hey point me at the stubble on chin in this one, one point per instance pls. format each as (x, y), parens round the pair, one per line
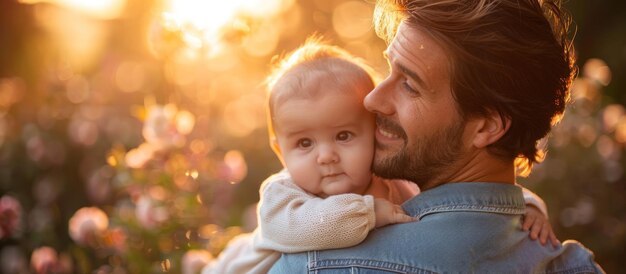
(422, 163)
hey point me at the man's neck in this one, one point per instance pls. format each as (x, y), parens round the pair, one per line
(480, 167)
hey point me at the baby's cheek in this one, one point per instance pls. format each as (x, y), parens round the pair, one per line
(302, 171)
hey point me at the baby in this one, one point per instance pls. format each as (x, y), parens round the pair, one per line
(324, 137)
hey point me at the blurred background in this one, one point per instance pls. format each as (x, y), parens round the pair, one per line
(133, 139)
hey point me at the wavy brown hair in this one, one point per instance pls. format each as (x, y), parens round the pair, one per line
(514, 57)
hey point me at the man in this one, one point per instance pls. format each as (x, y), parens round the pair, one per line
(473, 85)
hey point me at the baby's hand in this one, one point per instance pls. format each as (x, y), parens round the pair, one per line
(389, 213)
(539, 227)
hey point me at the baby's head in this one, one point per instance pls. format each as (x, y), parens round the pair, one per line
(318, 126)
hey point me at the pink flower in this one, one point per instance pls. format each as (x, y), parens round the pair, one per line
(44, 259)
(149, 214)
(166, 126)
(194, 260)
(86, 223)
(10, 216)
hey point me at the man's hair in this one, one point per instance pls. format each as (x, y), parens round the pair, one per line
(513, 57)
(294, 75)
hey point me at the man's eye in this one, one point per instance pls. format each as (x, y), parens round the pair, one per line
(344, 136)
(305, 143)
(408, 87)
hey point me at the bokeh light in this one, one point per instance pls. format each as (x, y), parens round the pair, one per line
(87, 223)
(353, 19)
(133, 133)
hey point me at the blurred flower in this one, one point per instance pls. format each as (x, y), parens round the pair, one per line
(116, 238)
(166, 126)
(12, 260)
(194, 260)
(10, 216)
(149, 214)
(138, 157)
(86, 223)
(44, 260)
(234, 169)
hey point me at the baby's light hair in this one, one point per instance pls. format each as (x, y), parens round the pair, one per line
(292, 73)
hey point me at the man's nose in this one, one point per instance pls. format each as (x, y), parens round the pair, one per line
(327, 155)
(379, 100)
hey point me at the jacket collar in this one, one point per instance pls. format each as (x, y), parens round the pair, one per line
(479, 197)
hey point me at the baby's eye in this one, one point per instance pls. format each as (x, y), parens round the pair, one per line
(344, 136)
(305, 143)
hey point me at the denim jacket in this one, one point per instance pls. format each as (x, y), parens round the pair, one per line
(462, 228)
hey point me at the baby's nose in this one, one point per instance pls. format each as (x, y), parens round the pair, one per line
(327, 155)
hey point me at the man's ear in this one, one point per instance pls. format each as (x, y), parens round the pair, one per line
(490, 128)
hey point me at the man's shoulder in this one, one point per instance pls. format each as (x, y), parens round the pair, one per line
(443, 244)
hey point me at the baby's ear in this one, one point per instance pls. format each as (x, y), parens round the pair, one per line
(490, 128)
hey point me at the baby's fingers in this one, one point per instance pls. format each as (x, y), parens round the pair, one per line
(402, 218)
(529, 220)
(545, 232)
(536, 229)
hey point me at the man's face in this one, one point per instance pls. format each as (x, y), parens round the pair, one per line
(327, 142)
(419, 131)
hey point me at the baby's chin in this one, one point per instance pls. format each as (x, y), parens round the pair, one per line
(340, 187)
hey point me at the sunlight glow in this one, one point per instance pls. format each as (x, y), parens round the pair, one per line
(101, 9)
(204, 25)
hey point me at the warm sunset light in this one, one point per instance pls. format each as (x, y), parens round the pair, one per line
(134, 133)
(101, 9)
(205, 24)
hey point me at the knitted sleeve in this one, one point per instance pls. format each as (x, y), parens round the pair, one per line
(292, 220)
(533, 199)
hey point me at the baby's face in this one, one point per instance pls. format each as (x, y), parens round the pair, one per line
(327, 143)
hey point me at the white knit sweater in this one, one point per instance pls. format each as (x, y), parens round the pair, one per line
(292, 220)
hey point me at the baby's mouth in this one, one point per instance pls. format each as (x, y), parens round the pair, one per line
(331, 175)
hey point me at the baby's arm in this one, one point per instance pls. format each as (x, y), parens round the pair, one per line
(292, 220)
(536, 219)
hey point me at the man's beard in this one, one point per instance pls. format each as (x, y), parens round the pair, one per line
(424, 161)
